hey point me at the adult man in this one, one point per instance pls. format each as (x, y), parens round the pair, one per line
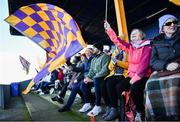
(98, 71)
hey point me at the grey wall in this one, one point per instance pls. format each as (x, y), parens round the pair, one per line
(4, 95)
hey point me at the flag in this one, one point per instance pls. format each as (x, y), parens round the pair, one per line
(53, 29)
(25, 64)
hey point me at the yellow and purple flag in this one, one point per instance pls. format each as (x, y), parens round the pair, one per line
(53, 29)
(25, 64)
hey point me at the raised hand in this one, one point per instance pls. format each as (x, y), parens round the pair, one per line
(106, 25)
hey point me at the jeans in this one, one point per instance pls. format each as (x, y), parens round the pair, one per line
(75, 90)
(86, 90)
(98, 84)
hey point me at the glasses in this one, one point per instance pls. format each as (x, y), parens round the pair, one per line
(169, 23)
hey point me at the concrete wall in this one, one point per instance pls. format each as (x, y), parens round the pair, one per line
(5, 92)
(4, 95)
(23, 85)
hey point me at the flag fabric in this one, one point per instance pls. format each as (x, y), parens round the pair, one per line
(53, 29)
(25, 64)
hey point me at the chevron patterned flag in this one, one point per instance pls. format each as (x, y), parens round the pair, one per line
(53, 29)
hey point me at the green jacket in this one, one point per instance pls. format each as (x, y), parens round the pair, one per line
(99, 66)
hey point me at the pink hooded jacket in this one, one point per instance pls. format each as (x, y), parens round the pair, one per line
(138, 57)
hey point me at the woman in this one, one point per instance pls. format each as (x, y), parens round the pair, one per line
(162, 100)
(139, 51)
(118, 71)
(166, 45)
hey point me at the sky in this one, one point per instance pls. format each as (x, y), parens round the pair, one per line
(11, 47)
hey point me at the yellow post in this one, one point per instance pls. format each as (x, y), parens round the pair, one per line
(177, 2)
(121, 19)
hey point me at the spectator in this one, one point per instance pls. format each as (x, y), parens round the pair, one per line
(61, 75)
(162, 100)
(97, 73)
(166, 45)
(69, 79)
(118, 71)
(50, 85)
(42, 86)
(139, 51)
(83, 68)
(86, 87)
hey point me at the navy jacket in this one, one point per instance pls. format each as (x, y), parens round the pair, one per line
(164, 51)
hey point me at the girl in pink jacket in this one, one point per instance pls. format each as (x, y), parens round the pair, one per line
(139, 51)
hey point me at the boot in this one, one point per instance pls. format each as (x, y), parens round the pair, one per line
(112, 115)
(64, 109)
(58, 99)
(107, 111)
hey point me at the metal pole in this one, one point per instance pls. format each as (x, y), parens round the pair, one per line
(106, 10)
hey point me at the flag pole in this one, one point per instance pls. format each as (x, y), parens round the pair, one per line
(106, 9)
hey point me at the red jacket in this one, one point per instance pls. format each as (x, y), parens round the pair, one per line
(61, 75)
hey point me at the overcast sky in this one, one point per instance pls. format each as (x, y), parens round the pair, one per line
(10, 49)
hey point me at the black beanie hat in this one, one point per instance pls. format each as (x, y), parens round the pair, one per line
(99, 45)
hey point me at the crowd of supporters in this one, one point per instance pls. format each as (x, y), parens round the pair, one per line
(140, 67)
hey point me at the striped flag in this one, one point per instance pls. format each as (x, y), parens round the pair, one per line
(51, 28)
(25, 64)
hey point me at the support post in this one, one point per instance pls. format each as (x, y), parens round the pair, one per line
(121, 19)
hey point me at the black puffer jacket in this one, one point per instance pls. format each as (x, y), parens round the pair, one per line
(164, 51)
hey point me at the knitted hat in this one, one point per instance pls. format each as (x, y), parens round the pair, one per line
(99, 45)
(163, 19)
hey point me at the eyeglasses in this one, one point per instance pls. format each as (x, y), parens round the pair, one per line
(169, 23)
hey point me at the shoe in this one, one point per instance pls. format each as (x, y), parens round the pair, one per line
(85, 107)
(46, 92)
(107, 111)
(58, 99)
(139, 117)
(33, 89)
(51, 91)
(64, 109)
(54, 98)
(38, 91)
(112, 115)
(41, 93)
(95, 111)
